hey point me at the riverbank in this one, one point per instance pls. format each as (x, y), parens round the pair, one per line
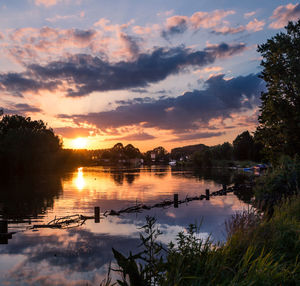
(262, 246)
(258, 251)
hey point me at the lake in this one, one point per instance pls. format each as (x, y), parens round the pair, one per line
(81, 255)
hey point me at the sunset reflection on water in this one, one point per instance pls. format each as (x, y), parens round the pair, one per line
(84, 252)
(79, 180)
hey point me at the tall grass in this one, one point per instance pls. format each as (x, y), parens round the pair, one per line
(280, 182)
(259, 251)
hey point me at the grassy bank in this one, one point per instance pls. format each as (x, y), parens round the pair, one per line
(259, 251)
(262, 247)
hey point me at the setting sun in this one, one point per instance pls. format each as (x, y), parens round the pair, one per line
(79, 143)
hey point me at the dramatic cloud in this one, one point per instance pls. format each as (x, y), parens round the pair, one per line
(140, 30)
(17, 83)
(255, 25)
(249, 14)
(42, 45)
(219, 99)
(252, 26)
(179, 24)
(195, 136)
(209, 69)
(130, 45)
(74, 251)
(85, 74)
(283, 14)
(228, 30)
(73, 132)
(139, 90)
(27, 45)
(66, 17)
(208, 20)
(142, 136)
(47, 3)
(175, 25)
(21, 108)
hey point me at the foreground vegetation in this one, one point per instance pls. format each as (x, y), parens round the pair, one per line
(262, 248)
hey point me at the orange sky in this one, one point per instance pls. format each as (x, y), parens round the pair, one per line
(149, 74)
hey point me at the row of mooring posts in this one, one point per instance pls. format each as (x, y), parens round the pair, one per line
(175, 201)
(5, 235)
(207, 195)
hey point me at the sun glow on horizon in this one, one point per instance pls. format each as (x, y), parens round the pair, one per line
(79, 143)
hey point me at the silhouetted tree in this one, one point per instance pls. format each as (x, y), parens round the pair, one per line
(243, 146)
(27, 144)
(131, 152)
(161, 155)
(222, 152)
(203, 159)
(279, 122)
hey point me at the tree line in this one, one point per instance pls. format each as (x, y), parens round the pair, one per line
(30, 145)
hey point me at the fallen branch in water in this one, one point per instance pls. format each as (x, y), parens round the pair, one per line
(64, 222)
(78, 220)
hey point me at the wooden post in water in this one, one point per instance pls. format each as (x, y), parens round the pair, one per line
(175, 200)
(207, 194)
(225, 189)
(97, 214)
(3, 226)
(4, 232)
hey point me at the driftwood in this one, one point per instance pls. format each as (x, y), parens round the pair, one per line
(64, 222)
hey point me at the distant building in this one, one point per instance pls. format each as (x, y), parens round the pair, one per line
(153, 156)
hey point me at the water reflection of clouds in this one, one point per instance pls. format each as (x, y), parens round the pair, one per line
(85, 253)
(79, 255)
(211, 213)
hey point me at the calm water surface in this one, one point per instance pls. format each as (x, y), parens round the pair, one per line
(80, 256)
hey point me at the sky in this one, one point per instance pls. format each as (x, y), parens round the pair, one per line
(150, 73)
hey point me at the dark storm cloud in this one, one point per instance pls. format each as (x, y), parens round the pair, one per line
(134, 137)
(82, 35)
(131, 44)
(88, 74)
(17, 83)
(194, 136)
(21, 108)
(135, 100)
(139, 90)
(219, 99)
(178, 26)
(81, 254)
